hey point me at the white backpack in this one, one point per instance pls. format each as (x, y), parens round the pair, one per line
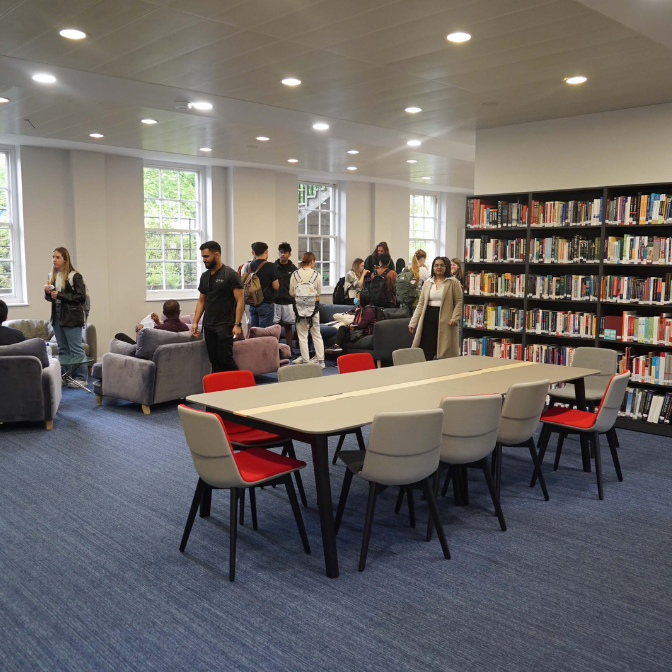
(305, 296)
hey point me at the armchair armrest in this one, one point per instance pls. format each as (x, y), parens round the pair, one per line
(180, 368)
(21, 392)
(128, 378)
(91, 337)
(51, 387)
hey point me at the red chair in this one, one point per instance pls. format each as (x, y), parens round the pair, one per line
(357, 361)
(219, 467)
(244, 438)
(571, 421)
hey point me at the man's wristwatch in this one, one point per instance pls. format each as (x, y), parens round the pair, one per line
(238, 324)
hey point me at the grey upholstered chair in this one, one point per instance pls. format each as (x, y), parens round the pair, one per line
(408, 356)
(519, 419)
(299, 372)
(218, 467)
(590, 358)
(403, 450)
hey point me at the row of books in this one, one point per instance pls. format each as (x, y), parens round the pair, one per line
(654, 368)
(495, 249)
(549, 354)
(561, 323)
(632, 328)
(573, 287)
(503, 215)
(647, 406)
(492, 316)
(567, 213)
(639, 210)
(558, 250)
(495, 284)
(631, 289)
(646, 250)
(504, 348)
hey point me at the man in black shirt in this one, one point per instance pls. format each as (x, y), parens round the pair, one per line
(262, 315)
(284, 303)
(8, 336)
(221, 297)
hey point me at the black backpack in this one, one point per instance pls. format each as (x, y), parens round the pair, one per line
(379, 292)
(338, 296)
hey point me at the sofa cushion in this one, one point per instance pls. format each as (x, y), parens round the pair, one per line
(32, 328)
(327, 311)
(33, 347)
(150, 339)
(97, 371)
(396, 313)
(122, 348)
(284, 350)
(258, 332)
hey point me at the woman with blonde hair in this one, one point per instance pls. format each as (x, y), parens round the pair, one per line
(354, 280)
(419, 268)
(67, 294)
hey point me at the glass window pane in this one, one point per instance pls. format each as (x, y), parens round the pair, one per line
(303, 247)
(151, 181)
(188, 186)
(170, 184)
(326, 223)
(3, 170)
(429, 206)
(188, 216)
(314, 247)
(154, 276)
(173, 276)
(190, 246)
(153, 246)
(313, 221)
(302, 220)
(4, 210)
(326, 199)
(152, 208)
(171, 214)
(152, 223)
(6, 278)
(4, 243)
(190, 275)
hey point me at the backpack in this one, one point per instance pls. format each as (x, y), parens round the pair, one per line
(305, 296)
(406, 289)
(339, 292)
(252, 291)
(87, 300)
(378, 289)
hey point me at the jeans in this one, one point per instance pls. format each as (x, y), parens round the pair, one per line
(262, 315)
(70, 348)
(219, 342)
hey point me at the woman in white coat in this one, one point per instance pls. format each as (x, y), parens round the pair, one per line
(438, 313)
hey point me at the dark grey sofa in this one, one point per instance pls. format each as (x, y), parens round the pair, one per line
(388, 335)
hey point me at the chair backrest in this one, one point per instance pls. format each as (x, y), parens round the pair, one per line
(470, 425)
(228, 380)
(210, 448)
(403, 447)
(596, 358)
(611, 402)
(299, 372)
(521, 411)
(360, 361)
(408, 356)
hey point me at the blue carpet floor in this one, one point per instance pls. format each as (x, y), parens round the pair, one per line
(91, 577)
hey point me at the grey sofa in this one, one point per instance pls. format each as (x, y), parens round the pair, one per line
(388, 335)
(30, 383)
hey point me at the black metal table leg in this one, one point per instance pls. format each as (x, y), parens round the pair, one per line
(320, 450)
(580, 392)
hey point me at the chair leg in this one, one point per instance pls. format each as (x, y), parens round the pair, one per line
(612, 439)
(613, 430)
(347, 480)
(360, 438)
(493, 492)
(297, 474)
(297, 513)
(195, 502)
(595, 440)
(233, 532)
(434, 513)
(447, 481)
(241, 514)
(339, 445)
(537, 467)
(545, 436)
(253, 507)
(498, 471)
(368, 522)
(206, 500)
(542, 452)
(437, 480)
(411, 506)
(558, 450)
(400, 499)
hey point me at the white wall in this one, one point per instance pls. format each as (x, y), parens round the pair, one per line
(609, 148)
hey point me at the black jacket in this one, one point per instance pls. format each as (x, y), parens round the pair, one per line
(72, 303)
(282, 296)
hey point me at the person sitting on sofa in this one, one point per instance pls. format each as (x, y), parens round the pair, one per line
(171, 311)
(8, 336)
(362, 325)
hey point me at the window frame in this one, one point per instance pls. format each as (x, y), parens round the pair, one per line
(202, 232)
(415, 243)
(15, 226)
(335, 236)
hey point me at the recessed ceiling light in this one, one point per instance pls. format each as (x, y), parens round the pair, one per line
(72, 34)
(202, 105)
(579, 79)
(4, 100)
(413, 110)
(458, 37)
(321, 126)
(96, 135)
(205, 149)
(414, 143)
(426, 178)
(262, 138)
(352, 167)
(292, 160)
(291, 81)
(353, 151)
(411, 161)
(149, 122)
(43, 78)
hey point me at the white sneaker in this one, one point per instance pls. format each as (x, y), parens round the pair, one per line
(299, 360)
(315, 360)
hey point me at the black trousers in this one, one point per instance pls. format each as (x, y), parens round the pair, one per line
(430, 332)
(219, 341)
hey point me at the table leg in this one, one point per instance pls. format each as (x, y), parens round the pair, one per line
(320, 449)
(580, 392)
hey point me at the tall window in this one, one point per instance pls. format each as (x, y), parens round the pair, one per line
(10, 255)
(423, 229)
(173, 229)
(317, 227)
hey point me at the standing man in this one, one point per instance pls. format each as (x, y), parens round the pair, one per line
(284, 303)
(221, 297)
(262, 315)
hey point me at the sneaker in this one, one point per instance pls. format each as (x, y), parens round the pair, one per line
(314, 360)
(333, 350)
(299, 360)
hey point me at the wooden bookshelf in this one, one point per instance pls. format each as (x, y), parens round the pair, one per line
(584, 207)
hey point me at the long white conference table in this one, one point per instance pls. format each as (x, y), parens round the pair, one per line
(311, 410)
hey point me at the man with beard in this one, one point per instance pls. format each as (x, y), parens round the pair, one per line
(221, 297)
